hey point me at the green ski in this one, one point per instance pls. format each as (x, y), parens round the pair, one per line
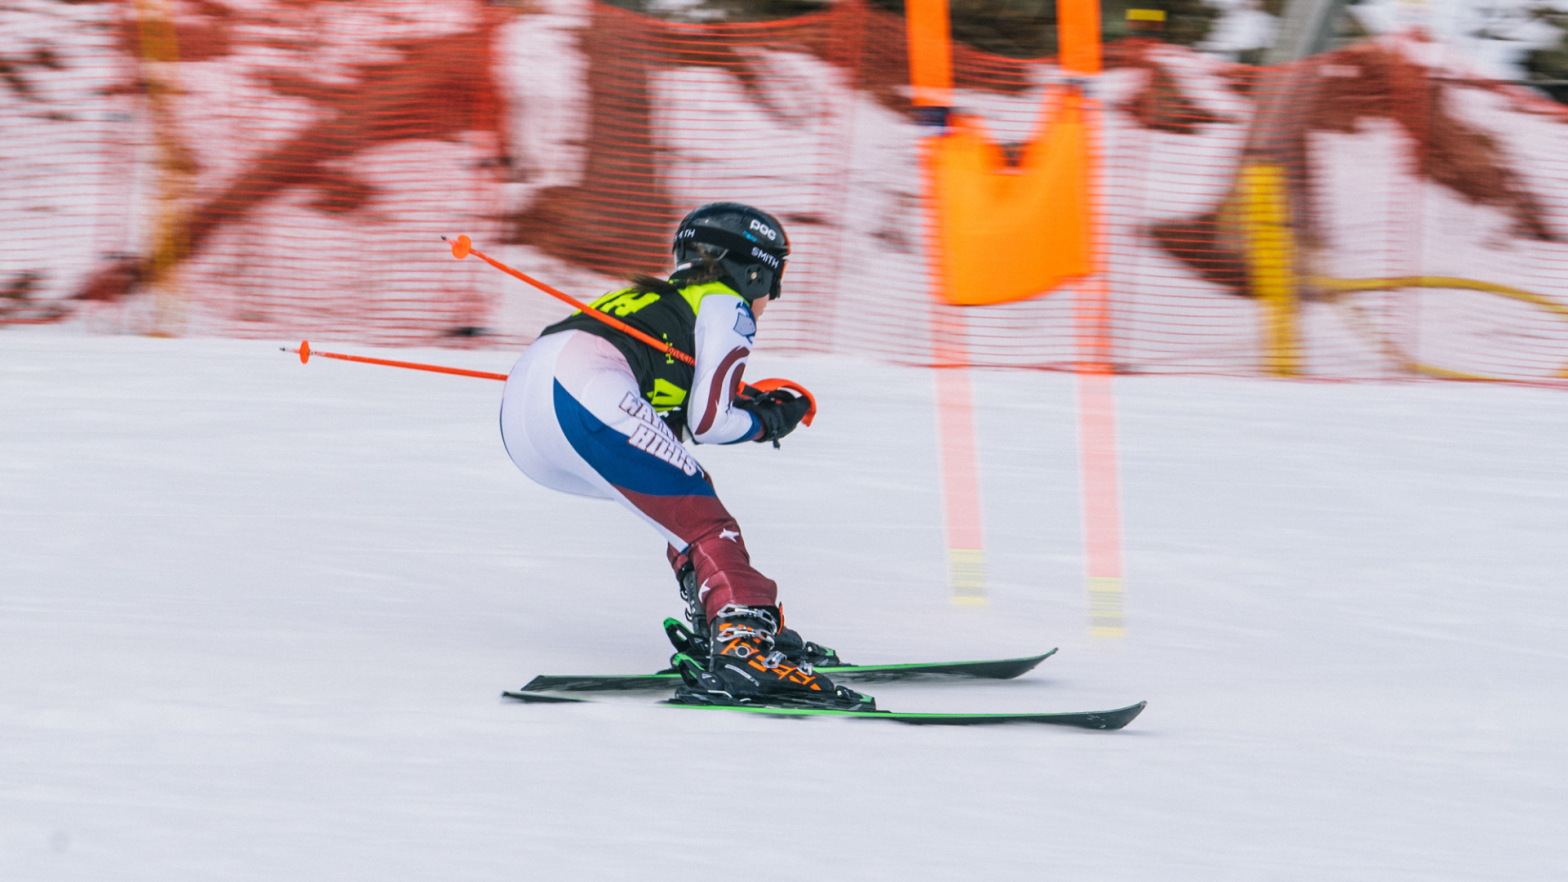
(999, 669)
(1108, 719)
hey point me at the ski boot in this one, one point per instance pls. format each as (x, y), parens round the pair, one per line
(800, 650)
(689, 640)
(692, 639)
(745, 668)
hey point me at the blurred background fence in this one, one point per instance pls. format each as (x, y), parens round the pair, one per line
(282, 169)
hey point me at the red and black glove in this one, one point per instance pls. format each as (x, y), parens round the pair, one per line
(779, 411)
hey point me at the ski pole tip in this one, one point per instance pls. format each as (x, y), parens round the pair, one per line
(304, 351)
(462, 247)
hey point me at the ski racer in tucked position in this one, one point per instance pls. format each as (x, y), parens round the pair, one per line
(591, 410)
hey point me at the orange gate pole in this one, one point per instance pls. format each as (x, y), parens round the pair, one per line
(1079, 31)
(931, 81)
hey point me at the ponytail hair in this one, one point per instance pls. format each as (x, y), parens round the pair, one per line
(700, 273)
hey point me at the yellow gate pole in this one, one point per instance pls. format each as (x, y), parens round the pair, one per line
(159, 59)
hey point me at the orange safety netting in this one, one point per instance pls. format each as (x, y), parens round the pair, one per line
(282, 169)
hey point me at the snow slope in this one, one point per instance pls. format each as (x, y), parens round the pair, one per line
(255, 618)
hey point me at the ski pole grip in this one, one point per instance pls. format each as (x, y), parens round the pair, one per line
(772, 384)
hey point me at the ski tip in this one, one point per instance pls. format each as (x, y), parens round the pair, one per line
(1004, 670)
(1034, 661)
(542, 698)
(1118, 719)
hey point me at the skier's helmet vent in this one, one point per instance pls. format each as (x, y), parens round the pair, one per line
(749, 244)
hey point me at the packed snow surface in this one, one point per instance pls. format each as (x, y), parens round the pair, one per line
(256, 617)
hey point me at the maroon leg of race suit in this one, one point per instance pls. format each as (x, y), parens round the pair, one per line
(724, 571)
(715, 547)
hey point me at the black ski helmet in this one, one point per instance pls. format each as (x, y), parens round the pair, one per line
(749, 244)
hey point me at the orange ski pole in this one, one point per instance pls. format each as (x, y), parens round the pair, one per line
(464, 246)
(305, 352)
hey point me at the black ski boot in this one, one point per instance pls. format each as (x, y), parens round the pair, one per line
(692, 639)
(688, 639)
(800, 650)
(745, 668)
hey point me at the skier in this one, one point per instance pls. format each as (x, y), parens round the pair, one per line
(590, 410)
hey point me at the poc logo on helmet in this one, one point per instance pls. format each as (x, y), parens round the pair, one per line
(764, 229)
